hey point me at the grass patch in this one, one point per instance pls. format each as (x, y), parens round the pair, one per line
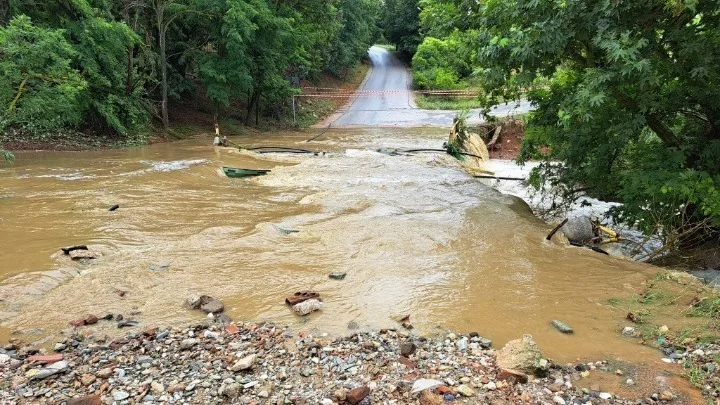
(429, 102)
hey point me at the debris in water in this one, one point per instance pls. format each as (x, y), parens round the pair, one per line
(127, 324)
(307, 307)
(632, 317)
(159, 267)
(301, 296)
(67, 250)
(114, 208)
(84, 255)
(338, 276)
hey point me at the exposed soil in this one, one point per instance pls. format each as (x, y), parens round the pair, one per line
(508, 145)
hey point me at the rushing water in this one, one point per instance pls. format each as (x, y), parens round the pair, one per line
(415, 234)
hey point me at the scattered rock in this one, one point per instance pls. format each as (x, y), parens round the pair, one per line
(45, 359)
(407, 349)
(425, 384)
(120, 395)
(355, 395)
(522, 355)
(87, 379)
(666, 396)
(605, 395)
(562, 326)
(188, 343)
(430, 398)
(512, 376)
(87, 400)
(465, 391)
(45, 372)
(245, 363)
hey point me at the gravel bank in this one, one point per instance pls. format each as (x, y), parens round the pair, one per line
(267, 364)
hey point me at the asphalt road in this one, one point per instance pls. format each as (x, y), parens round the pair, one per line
(393, 104)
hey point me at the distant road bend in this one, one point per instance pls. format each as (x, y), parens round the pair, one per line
(393, 105)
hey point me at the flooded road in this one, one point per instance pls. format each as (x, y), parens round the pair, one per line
(415, 234)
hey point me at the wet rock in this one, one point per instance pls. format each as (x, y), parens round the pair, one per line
(338, 276)
(245, 363)
(522, 355)
(307, 307)
(355, 395)
(562, 326)
(87, 400)
(578, 229)
(205, 303)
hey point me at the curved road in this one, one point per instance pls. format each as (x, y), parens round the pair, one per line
(393, 105)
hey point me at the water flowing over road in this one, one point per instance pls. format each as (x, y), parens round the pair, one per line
(387, 100)
(415, 234)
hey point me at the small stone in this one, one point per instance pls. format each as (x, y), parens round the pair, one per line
(210, 335)
(629, 381)
(104, 373)
(231, 390)
(263, 394)
(605, 395)
(430, 398)
(666, 396)
(157, 387)
(338, 276)
(355, 395)
(87, 379)
(340, 394)
(120, 395)
(325, 401)
(60, 347)
(628, 331)
(663, 329)
(88, 400)
(465, 391)
(558, 400)
(491, 386)
(188, 343)
(407, 349)
(244, 364)
(698, 353)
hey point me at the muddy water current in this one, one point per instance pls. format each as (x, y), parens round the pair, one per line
(415, 234)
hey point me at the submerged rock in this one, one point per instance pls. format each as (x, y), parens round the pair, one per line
(562, 326)
(307, 307)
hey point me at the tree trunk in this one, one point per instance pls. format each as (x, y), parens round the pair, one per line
(5, 16)
(160, 13)
(131, 52)
(252, 107)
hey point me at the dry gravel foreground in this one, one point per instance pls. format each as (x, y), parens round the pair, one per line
(267, 364)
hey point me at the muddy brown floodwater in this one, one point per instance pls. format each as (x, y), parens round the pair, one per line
(415, 234)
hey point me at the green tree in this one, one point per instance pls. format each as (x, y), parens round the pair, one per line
(402, 25)
(39, 88)
(630, 106)
(441, 64)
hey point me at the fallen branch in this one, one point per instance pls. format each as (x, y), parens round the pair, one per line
(439, 150)
(557, 228)
(478, 176)
(495, 137)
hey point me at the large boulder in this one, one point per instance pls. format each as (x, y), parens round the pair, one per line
(206, 304)
(578, 229)
(522, 355)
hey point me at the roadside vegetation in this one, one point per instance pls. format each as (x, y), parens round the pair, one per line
(625, 95)
(119, 70)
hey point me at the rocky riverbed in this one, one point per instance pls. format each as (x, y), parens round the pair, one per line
(269, 364)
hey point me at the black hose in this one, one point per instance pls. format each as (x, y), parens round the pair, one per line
(279, 147)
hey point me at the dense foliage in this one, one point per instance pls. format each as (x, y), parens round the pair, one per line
(112, 66)
(402, 25)
(626, 93)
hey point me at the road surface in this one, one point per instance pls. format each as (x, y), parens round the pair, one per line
(393, 105)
